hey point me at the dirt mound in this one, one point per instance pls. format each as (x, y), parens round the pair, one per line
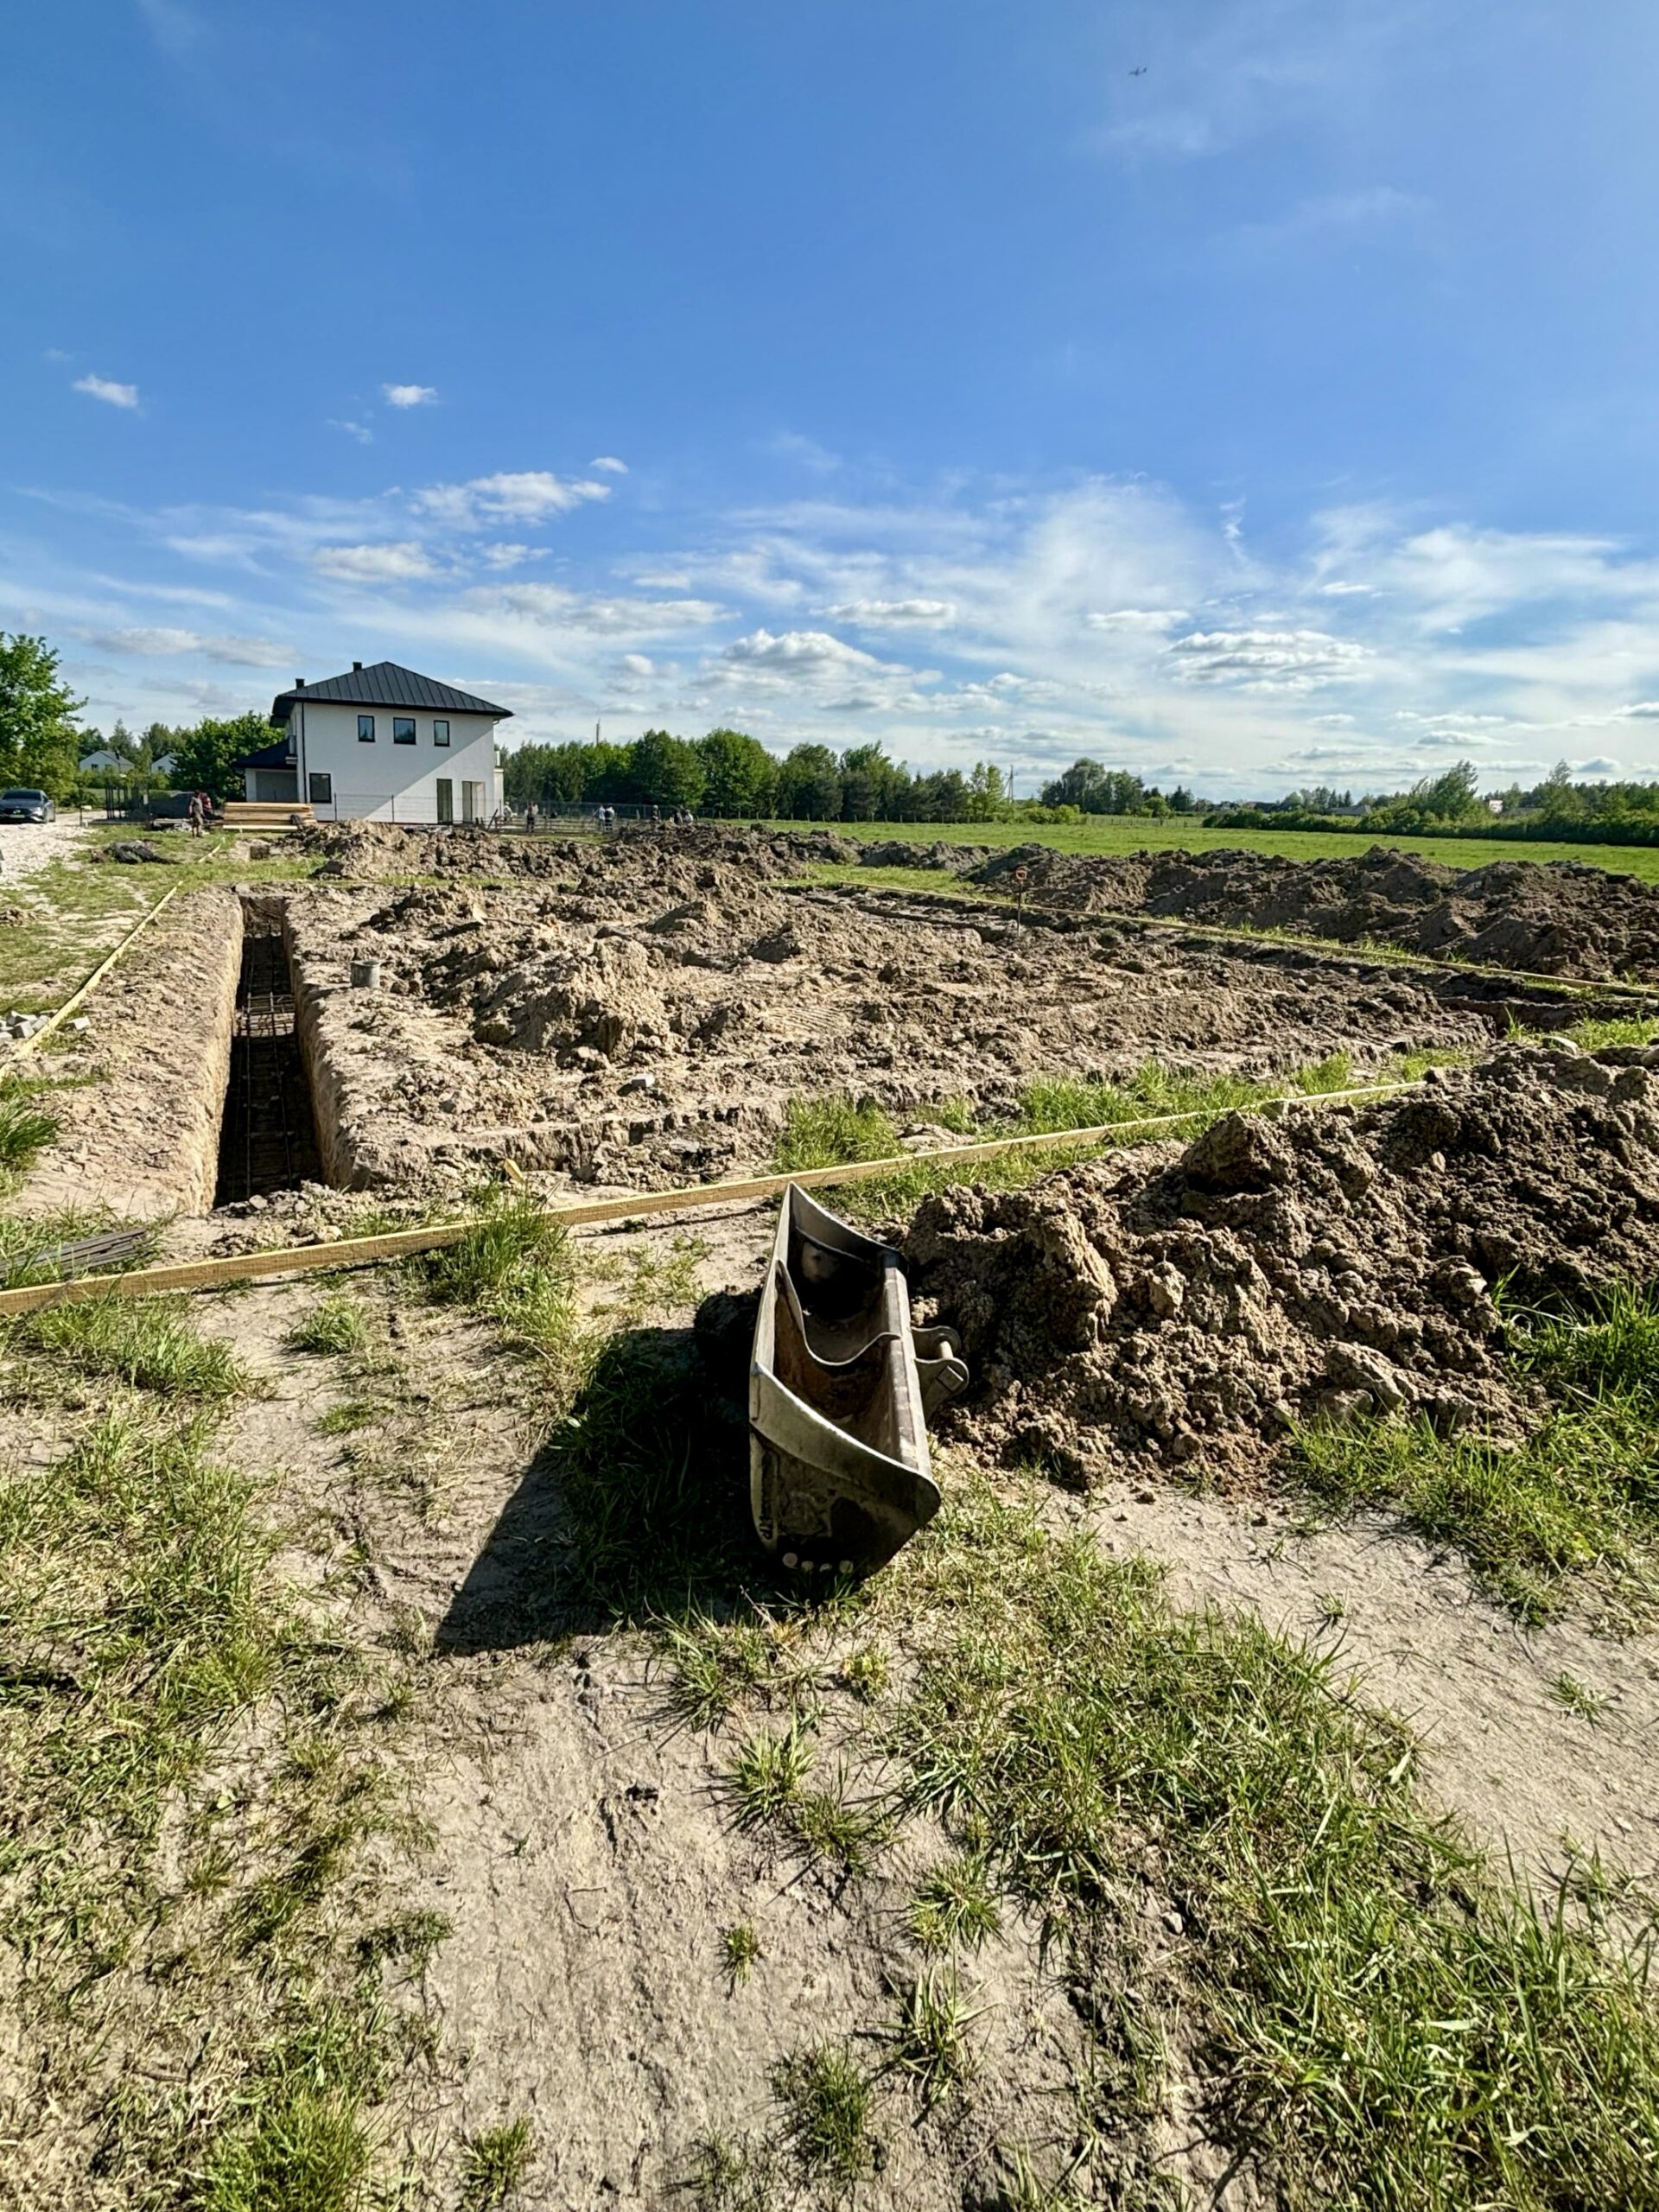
(1179, 1306)
(135, 851)
(1562, 918)
(372, 849)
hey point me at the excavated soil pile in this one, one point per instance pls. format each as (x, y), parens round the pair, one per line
(370, 849)
(1562, 918)
(1193, 1304)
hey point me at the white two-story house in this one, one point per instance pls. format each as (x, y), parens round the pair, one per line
(381, 743)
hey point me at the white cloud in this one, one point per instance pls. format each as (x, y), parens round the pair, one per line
(608, 463)
(636, 664)
(797, 651)
(162, 644)
(895, 613)
(1295, 660)
(104, 388)
(507, 556)
(525, 495)
(408, 395)
(1644, 710)
(373, 564)
(1151, 619)
(360, 431)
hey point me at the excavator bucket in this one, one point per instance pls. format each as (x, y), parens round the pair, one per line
(840, 1387)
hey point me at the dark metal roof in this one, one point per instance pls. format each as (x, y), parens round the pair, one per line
(382, 683)
(279, 755)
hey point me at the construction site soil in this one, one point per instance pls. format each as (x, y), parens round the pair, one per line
(1176, 1304)
(640, 1012)
(1149, 1327)
(1564, 918)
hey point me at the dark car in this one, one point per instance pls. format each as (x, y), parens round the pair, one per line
(26, 806)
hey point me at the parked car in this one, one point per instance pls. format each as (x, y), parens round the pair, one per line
(26, 806)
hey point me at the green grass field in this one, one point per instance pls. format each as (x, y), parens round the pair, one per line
(1134, 834)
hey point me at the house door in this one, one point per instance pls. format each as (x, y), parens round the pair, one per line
(472, 802)
(446, 800)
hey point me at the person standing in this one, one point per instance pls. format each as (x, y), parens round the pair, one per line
(193, 814)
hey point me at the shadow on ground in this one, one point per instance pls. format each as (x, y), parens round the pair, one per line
(636, 1508)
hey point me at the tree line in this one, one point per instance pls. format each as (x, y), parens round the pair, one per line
(730, 775)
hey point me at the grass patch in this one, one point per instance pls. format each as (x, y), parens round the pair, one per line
(928, 2037)
(826, 2097)
(148, 1344)
(766, 1789)
(829, 1132)
(133, 1630)
(714, 1665)
(26, 1128)
(1052, 1104)
(513, 1266)
(1139, 834)
(1575, 1510)
(1576, 1507)
(1595, 1036)
(295, 2136)
(957, 1904)
(335, 1323)
(494, 2163)
(1378, 2015)
(739, 1947)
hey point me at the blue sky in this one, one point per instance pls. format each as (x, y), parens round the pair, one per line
(1286, 412)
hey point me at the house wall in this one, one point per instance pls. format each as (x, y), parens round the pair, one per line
(386, 782)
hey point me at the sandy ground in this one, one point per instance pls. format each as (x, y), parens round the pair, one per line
(27, 847)
(583, 1848)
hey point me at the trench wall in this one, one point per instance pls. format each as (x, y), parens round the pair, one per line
(142, 1139)
(338, 1069)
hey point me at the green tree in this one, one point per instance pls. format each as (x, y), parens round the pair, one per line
(40, 745)
(809, 785)
(867, 781)
(665, 770)
(988, 795)
(206, 756)
(739, 775)
(1083, 784)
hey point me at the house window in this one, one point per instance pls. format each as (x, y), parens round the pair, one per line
(321, 789)
(439, 732)
(403, 730)
(446, 800)
(366, 729)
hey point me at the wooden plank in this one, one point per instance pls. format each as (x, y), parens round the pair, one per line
(642, 1205)
(56, 1021)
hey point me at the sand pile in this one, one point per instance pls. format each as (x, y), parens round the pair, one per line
(1563, 918)
(1192, 1304)
(370, 849)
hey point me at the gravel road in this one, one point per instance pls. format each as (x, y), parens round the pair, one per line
(28, 847)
